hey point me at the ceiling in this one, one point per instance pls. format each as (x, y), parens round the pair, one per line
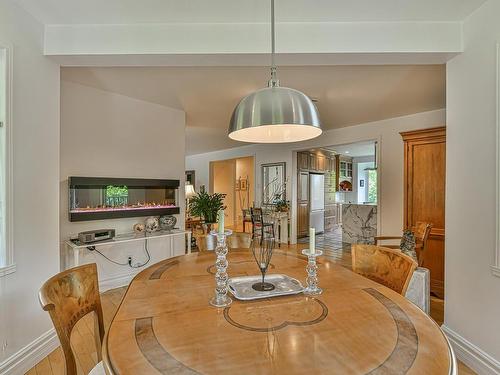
(354, 149)
(347, 95)
(236, 11)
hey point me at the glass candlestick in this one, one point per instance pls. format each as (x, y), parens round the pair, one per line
(221, 299)
(312, 287)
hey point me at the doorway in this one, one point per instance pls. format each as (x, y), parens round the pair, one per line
(235, 178)
(348, 175)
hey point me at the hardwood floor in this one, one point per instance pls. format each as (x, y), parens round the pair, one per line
(82, 339)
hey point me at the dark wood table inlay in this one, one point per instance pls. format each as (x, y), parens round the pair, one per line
(405, 351)
(158, 272)
(274, 317)
(165, 325)
(156, 355)
(242, 265)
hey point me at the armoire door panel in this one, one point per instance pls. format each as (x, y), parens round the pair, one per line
(424, 195)
(427, 183)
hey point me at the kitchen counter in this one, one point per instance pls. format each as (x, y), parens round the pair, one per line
(358, 203)
(359, 223)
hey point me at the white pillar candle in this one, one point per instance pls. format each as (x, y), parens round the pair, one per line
(221, 221)
(312, 240)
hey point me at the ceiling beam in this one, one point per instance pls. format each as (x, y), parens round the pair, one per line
(249, 44)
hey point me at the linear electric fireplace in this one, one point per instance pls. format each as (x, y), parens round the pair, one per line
(97, 198)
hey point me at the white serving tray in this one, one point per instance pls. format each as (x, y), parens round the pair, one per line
(241, 287)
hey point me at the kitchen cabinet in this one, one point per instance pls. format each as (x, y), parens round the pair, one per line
(303, 204)
(320, 163)
(329, 197)
(303, 160)
(313, 162)
(333, 216)
(302, 220)
(317, 162)
(345, 168)
(330, 164)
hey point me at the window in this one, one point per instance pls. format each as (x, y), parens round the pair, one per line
(6, 255)
(372, 186)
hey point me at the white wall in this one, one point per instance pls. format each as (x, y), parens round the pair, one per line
(35, 125)
(391, 156)
(472, 300)
(109, 135)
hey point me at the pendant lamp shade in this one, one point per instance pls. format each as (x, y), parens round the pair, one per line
(275, 115)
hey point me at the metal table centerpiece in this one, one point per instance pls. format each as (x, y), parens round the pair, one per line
(263, 286)
(262, 250)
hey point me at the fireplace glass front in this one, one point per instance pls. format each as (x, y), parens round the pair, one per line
(96, 198)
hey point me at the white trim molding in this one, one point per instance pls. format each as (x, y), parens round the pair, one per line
(9, 266)
(22, 361)
(471, 355)
(495, 268)
(7, 270)
(115, 282)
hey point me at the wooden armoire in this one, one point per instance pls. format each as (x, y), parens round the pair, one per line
(424, 194)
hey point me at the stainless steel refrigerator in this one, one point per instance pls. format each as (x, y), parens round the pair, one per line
(317, 202)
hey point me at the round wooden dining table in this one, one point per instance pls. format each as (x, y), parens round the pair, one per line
(165, 325)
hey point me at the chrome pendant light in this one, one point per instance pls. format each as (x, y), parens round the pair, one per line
(275, 114)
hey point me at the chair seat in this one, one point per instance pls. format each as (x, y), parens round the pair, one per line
(98, 370)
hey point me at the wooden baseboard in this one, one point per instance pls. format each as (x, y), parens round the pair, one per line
(471, 355)
(26, 358)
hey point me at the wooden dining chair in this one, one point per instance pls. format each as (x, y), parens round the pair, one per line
(259, 226)
(68, 297)
(421, 230)
(247, 218)
(239, 240)
(388, 267)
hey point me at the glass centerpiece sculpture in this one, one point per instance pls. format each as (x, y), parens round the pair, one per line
(262, 249)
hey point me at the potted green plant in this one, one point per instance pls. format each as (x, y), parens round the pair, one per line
(206, 206)
(282, 205)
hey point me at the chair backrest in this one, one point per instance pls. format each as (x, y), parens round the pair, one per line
(256, 214)
(239, 240)
(422, 231)
(386, 266)
(247, 216)
(68, 297)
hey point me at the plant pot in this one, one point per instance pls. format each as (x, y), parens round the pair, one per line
(206, 242)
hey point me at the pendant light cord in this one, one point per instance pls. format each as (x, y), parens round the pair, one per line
(274, 80)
